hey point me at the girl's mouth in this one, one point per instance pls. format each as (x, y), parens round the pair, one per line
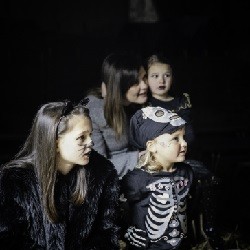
(183, 152)
(84, 153)
(162, 87)
(142, 94)
(88, 153)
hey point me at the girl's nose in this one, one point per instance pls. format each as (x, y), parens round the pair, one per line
(90, 142)
(162, 79)
(184, 143)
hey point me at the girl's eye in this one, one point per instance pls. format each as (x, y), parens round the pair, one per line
(167, 75)
(154, 76)
(176, 138)
(82, 138)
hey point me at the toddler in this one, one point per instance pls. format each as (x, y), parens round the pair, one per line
(157, 188)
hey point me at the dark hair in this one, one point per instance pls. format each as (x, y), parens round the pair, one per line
(119, 72)
(39, 151)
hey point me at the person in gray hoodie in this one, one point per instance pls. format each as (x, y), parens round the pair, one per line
(122, 92)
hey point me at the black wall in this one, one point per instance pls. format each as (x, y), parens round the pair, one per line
(52, 50)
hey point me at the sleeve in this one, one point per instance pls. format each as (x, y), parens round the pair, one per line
(106, 233)
(125, 161)
(13, 221)
(98, 139)
(132, 186)
(95, 106)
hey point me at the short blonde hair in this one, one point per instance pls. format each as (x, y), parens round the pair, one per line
(147, 161)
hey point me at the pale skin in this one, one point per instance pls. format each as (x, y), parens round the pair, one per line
(137, 93)
(74, 146)
(160, 80)
(168, 149)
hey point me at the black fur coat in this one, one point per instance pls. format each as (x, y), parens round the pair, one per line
(89, 226)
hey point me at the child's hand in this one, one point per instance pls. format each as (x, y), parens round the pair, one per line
(136, 237)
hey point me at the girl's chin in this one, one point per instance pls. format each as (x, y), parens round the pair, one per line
(141, 100)
(181, 158)
(85, 160)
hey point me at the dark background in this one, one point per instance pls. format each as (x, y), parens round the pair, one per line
(52, 50)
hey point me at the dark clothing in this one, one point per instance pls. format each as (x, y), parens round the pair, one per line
(182, 106)
(204, 191)
(158, 207)
(24, 225)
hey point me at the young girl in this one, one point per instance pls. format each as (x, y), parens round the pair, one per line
(157, 189)
(58, 193)
(159, 79)
(123, 92)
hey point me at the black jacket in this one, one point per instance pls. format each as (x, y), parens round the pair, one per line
(91, 225)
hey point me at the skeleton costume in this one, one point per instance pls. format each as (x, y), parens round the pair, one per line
(158, 207)
(157, 199)
(205, 183)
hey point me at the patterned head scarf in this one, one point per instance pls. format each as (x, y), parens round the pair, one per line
(150, 122)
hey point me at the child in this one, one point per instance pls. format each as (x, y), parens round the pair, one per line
(58, 193)
(159, 78)
(157, 189)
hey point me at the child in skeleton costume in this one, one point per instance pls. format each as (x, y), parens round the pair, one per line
(157, 189)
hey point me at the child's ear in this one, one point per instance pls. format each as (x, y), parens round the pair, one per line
(104, 90)
(151, 147)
